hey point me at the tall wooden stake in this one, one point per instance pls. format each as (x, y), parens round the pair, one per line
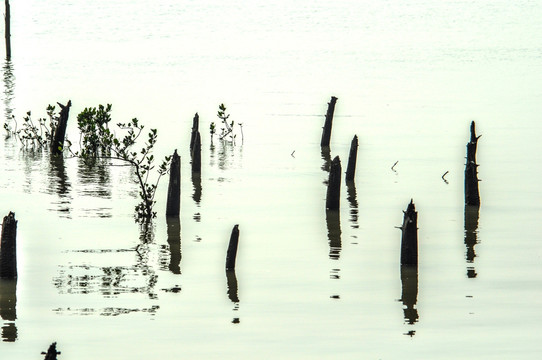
(409, 238)
(8, 248)
(232, 248)
(351, 168)
(174, 189)
(196, 154)
(326, 134)
(7, 17)
(472, 194)
(195, 129)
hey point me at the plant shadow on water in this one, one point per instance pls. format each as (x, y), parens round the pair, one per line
(8, 311)
(59, 184)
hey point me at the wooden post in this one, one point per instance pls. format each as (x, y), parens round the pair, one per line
(334, 185)
(8, 248)
(195, 129)
(326, 134)
(409, 238)
(196, 154)
(174, 242)
(59, 133)
(7, 31)
(174, 189)
(51, 352)
(232, 248)
(472, 194)
(351, 168)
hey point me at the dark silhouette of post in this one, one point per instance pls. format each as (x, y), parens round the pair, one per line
(351, 168)
(196, 154)
(51, 352)
(352, 199)
(8, 248)
(334, 185)
(409, 293)
(232, 248)
(333, 223)
(174, 242)
(59, 133)
(8, 309)
(233, 293)
(195, 129)
(7, 31)
(409, 238)
(472, 214)
(472, 194)
(173, 205)
(326, 134)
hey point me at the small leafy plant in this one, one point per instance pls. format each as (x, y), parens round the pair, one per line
(227, 127)
(34, 136)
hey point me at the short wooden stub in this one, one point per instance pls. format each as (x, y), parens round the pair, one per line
(472, 194)
(59, 133)
(334, 185)
(173, 205)
(326, 134)
(351, 168)
(232, 248)
(409, 238)
(196, 154)
(195, 129)
(8, 248)
(51, 352)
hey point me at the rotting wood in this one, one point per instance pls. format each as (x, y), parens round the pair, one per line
(409, 238)
(59, 133)
(352, 158)
(8, 248)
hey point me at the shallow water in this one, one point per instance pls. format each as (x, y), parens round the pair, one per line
(409, 77)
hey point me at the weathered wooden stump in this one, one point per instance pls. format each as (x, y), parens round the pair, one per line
(472, 194)
(351, 168)
(409, 238)
(232, 248)
(326, 134)
(51, 352)
(8, 248)
(59, 133)
(7, 30)
(196, 154)
(334, 185)
(195, 130)
(173, 205)
(174, 242)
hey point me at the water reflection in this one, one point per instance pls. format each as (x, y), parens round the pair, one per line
(9, 91)
(174, 241)
(352, 200)
(326, 156)
(196, 183)
(8, 312)
(472, 215)
(233, 293)
(409, 294)
(333, 222)
(95, 175)
(59, 184)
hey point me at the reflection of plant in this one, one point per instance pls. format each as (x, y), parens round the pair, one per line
(97, 140)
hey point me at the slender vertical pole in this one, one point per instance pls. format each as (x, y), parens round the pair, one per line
(195, 129)
(174, 189)
(334, 185)
(8, 31)
(8, 248)
(196, 154)
(409, 238)
(472, 194)
(351, 168)
(326, 134)
(232, 248)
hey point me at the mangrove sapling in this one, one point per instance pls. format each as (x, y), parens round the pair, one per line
(34, 136)
(226, 131)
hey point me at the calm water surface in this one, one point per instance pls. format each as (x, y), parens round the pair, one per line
(409, 77)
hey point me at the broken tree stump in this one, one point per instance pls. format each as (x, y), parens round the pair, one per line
(173, 205)
(334, 185)
(351, 168)
(195, 129)
(232, 248)
(472, 194)
(8, 248)
(326, 134)
(409, 238)
(59, 133)
(7, 31)
(196, 154)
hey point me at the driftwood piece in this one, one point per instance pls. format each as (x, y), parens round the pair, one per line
(351, 168)
(326, 134)
(409, 238)
(334, 185)
(59, 133)
(472, 194)
(173, 205)
(232, 248)
(8, 248)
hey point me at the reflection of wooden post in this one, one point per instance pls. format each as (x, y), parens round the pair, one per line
(8, 31)
(173, 206)
(57, 145)
(409, 294)
(196, 154)
(334, 185)
(195, 129)
(326, 134)
(409, 238)
(472, 214)
(8, 248)
(174, 241)
(351, 168)
(472, 195)
(8, 308)
(232, 286)
(232, 248)
(333, 222)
